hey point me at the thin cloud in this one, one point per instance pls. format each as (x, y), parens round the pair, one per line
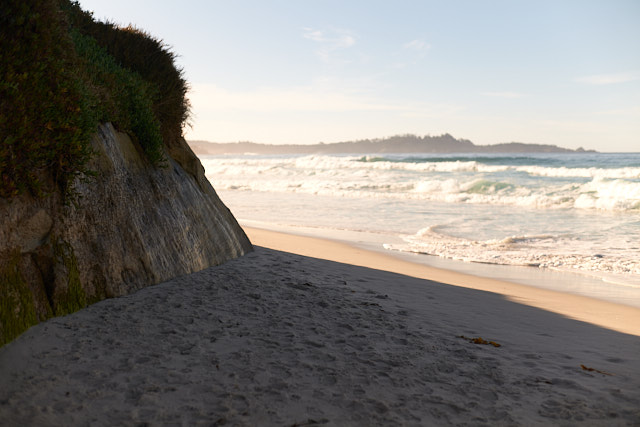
(336, 38)
(223, 114)
(330, 40)
(632, 111)
(609, 79)
(319, 98)
(270, 99)
(506, 95)
(416, 45)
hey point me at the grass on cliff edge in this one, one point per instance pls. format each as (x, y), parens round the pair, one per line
(61, 74)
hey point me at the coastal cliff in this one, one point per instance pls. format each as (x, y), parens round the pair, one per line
(100, 195)
(134, 226)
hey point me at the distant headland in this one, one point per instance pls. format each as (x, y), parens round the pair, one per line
(396, 144)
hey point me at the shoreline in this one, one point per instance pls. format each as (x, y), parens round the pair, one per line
(278, 339)
(614, 316)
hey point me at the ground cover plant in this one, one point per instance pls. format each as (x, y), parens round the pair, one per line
(62, 73)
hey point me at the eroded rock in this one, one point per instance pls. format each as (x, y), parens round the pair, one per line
(132, 226)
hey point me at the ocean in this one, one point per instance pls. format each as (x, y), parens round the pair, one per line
(569, 221)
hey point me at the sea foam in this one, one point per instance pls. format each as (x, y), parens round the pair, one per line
(615, 189)
(567, 212)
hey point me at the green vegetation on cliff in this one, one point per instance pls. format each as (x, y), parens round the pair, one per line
(61, 74)
(46, 116)
(70, 298)
(17, 310)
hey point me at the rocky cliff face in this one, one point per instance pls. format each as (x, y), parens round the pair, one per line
(133, 225)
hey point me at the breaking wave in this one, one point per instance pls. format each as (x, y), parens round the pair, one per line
(451, 180)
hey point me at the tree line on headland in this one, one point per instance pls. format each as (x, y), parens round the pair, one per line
(395, 144)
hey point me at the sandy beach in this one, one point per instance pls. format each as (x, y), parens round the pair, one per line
(307, 331)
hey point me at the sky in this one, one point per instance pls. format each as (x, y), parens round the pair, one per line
(306, 71)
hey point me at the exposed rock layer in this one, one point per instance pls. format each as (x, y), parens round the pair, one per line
(132, 226)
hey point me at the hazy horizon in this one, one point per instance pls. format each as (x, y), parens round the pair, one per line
(287, 72)
(383, 138)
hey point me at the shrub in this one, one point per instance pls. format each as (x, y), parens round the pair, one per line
(46, 117)
(126, 99)
(61, 74)
(151, 59)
